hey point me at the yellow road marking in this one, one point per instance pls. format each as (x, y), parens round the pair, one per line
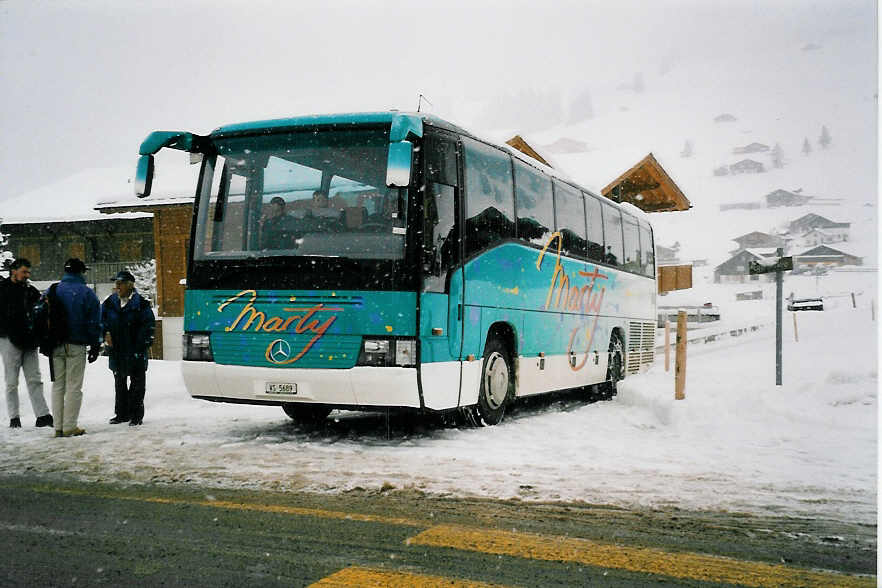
(694, 566)
(373, 578)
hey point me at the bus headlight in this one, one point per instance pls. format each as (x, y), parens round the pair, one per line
(197, 347)
(387, 352)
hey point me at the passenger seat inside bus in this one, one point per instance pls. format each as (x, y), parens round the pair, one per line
(355, 216)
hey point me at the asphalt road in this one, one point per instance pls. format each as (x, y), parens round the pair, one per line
(61, 533)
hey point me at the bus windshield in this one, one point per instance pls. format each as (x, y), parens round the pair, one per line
(309, 193)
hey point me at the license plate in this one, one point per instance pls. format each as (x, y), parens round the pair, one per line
(281, 388)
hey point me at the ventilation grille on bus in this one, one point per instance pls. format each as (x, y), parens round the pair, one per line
(641, 346)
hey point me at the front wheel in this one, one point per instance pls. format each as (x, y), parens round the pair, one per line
(306, 414)
(497, 385)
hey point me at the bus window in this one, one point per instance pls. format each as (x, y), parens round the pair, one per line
(490, 199)
(646, 246)
(440, 241)
(569, 219)
(632, 244)
(534, 204)
(595, 228)
(612, 235)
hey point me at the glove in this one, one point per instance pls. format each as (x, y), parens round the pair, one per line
(94, 350)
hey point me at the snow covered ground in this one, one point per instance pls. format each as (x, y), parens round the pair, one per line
(738, 442)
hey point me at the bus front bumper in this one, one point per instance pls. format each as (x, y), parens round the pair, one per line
(358, 386)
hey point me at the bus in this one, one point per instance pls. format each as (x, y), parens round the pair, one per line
(394, 261)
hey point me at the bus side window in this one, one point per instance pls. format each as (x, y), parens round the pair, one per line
(612, 235)
(489, 196)
(569, 219)
(632, 244)
(646, 246)
(595, 228)
(535, 207)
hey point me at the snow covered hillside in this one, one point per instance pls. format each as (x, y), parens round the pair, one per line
(737, 442)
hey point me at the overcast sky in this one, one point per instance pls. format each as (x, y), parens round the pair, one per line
(83, 82)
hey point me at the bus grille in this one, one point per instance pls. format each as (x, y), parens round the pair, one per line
(641, 346)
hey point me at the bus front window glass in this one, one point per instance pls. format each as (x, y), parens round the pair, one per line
(534, 204)
(612, 235)
(632, 244)
(315, 193)
(490, 199)
(569, 215)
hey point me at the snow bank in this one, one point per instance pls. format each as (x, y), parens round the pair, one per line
(738, 442)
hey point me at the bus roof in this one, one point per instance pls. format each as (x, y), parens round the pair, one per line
(352, 118)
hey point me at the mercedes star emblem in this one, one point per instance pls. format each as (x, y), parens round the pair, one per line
(279, 351)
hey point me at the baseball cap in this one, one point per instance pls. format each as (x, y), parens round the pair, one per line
(124, 276)
(75, 265)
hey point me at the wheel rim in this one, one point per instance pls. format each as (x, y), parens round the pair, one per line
(496, 380)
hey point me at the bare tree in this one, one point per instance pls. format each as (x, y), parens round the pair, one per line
(687, 149)
(825, 138)
(777, 156)
(806, 147)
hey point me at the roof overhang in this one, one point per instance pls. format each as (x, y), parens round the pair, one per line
(521, 145)
(648, 187)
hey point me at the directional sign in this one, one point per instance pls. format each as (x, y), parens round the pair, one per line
(781, 264)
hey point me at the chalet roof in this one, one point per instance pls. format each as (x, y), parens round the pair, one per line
(817, 221)
(760, 252)
(755, 234)
(69, 199)
(647, 186)
(123, 205)
(824, 250)
(747, 163)
(521, 145)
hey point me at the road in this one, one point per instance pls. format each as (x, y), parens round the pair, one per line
(57, 532)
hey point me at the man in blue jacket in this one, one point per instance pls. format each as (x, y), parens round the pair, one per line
(128, 324)
(82, 330)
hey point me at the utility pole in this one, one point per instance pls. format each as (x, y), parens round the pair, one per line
(779, 266)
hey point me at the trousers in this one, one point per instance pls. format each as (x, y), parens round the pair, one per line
(69, 364)
(129, 398)
(26, 360)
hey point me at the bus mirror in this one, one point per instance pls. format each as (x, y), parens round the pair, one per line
(399, 163)
(144, 176)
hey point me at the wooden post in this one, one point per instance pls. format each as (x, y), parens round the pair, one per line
(667, 344)
(680, 368)
(795, 329)
(853, 303)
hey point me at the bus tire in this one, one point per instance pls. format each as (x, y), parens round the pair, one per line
(615, 369)
(306, 414)
(497, 385)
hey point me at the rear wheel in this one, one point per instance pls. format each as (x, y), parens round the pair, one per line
(306, 414)
(615, 370)
(497, 385)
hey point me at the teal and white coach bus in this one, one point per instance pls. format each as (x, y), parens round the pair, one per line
(395, 261)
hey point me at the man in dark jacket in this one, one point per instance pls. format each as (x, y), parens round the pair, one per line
(128, 324)
(82, 313)
(18, 344)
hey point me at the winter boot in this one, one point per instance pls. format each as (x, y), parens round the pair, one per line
(45, 421)
(15, 423)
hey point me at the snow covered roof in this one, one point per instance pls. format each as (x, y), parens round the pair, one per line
(647, 186)
(70, 199)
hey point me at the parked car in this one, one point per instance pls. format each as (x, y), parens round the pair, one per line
(806, 304)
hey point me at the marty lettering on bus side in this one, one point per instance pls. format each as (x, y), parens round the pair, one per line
(305, 322)
(587, 300)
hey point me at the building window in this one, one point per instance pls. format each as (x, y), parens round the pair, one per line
(130, 250)
(31, 253)
(78, 250)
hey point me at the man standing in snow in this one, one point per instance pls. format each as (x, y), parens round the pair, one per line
(83, 329)
(128, 324)
(18, 344)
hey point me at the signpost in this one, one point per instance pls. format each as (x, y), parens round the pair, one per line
(779, 266)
